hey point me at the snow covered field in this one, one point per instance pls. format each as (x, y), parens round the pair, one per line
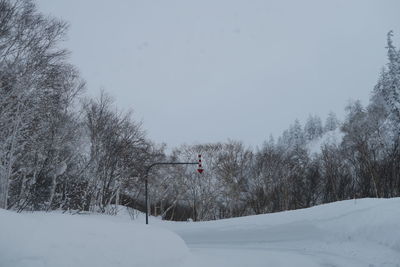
(364, 232)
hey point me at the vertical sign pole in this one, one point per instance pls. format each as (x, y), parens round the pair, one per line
(147, 201)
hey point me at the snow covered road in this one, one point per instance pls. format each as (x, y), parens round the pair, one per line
(348, 233)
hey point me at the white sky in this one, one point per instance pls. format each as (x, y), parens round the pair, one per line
(209, 70)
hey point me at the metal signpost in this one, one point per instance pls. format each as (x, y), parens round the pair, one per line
(199, 169)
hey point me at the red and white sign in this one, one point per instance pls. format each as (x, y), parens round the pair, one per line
(200, 167)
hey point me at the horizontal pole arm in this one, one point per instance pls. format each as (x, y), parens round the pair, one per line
(169, 163)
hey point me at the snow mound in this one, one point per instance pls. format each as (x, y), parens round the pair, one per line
(62, 240)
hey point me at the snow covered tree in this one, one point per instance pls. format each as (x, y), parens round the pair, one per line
(313, 128)
(387, 90)
(118, 152)
(331, 122)
(233, 170)
(37, 87)
(265, 187)
(293, 137)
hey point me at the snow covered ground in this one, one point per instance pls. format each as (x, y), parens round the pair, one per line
(349, 233)
(364, 233)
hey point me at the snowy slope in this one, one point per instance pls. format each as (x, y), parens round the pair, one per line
(364, 232)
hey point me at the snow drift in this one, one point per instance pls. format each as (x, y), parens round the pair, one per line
(62, 240)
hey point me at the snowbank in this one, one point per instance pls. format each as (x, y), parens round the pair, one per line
(62, 240)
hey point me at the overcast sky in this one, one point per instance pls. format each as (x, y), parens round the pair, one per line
(209, 70)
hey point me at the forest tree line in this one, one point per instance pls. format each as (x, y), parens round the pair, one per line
(60, 150)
